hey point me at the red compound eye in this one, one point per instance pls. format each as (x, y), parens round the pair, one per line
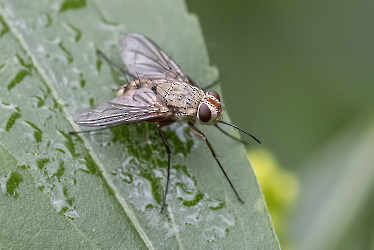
(204, 113)
(215, 94)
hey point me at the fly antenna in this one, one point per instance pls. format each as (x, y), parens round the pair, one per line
(240, 130)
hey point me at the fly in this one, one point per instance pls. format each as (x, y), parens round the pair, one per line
(159, 92)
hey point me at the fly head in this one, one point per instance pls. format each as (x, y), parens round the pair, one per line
(209, 111)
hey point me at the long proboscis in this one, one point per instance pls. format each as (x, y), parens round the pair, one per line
(240, 130)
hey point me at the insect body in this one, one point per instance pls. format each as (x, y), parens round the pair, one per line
(159, 92)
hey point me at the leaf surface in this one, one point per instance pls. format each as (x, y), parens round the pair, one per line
(103, 190)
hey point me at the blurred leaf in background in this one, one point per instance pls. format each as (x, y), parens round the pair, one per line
(280, 187)
(306, 69)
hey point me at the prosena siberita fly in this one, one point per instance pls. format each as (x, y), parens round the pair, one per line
(158, 92)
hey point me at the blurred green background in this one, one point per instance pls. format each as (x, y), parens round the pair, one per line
(299, 76)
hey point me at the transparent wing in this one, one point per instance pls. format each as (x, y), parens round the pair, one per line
(143, 105)
(144, 59)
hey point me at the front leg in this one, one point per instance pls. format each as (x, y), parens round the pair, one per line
(195, 130)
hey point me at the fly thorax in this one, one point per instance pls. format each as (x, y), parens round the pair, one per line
(209, 111)
(182, 97)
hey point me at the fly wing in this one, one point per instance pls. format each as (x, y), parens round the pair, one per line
(144, 59)
(143, 105)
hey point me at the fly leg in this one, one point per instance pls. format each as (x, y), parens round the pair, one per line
(159, 126)
(88, 131)
(199, 133)
(114, 65)
(232, 137)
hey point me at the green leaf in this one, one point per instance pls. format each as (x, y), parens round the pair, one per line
(334, 214)
(104, 190)
(72, 4)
